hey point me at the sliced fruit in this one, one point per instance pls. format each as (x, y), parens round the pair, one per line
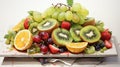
(23, 40)
(33, 28)
(89, 21)
(75, 32)
(106, 35)
(90, 50)
(90, 34)
(108, 44)
(66, 25)
(53, 49)
(18, 26)
(48, 25)
(76, 47)
(61, 36)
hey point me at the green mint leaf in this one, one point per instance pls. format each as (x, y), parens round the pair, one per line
(70, 2)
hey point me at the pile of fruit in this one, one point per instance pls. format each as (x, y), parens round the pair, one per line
(60, 28)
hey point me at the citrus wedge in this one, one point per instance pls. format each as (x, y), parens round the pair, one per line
(18, 26)
(23, 40)
(76, 47)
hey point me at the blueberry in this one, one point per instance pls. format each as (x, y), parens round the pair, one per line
(97, 47)
(102, 45)
(63, 49)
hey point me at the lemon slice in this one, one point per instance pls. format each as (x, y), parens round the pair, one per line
(18, 26)
(23, 40)
(76, 47)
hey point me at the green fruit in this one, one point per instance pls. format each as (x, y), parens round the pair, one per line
(55, 14)
(90, 50)
(75, 18)
(61, 16)
(37, 16)
(100, 25)
(61, 37)
(68, 15)
(33, 27)
(75, 32)
(49, 11)
(90, 34)
(76, 7)
(63, 8)
(48, 25)
(82, 19)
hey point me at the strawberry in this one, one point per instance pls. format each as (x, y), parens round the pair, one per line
(53, 49)
(106, 35)
(26, 23)
(108, 44)
(65, 25)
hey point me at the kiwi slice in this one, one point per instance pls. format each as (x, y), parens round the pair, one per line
(89, 21)
(48, 25)
(90, 34)
(61, 37)
(33, 28)
(75, 32)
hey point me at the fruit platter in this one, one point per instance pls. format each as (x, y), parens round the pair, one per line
(62, 30)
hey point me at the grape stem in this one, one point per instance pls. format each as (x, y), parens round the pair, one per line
(60, 4)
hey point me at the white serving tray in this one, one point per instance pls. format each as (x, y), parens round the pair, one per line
(5, 52)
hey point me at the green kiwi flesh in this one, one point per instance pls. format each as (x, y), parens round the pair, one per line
(48, 25)
(90, 34)
(61, 37)
(75, 32)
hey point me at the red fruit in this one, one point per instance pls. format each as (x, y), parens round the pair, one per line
(53, 49)
(26, 23)
(106, 35)
(108, 44)
(37, 39)
(44, 35)
(65, 25)
(44, 49)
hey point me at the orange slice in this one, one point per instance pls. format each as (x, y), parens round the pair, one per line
(76, 47)
(23, 40)
(18, 26)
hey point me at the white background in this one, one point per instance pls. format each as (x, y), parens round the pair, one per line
(12, 11)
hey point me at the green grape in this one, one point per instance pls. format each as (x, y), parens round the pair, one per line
(44, 15)
(68, 15)
(57, 8)
(63, 8)
(30, 13)
(7, 42)
(82, 19)
(50, 11)
(37, 16)
(75, 18)
(84, 12)
(76, 7)
(61, 16)
(100, 25)
(55, 14)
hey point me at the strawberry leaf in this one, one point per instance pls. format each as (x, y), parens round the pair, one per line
(70, 2)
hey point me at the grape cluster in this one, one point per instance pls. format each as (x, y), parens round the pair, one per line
(75, 13)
